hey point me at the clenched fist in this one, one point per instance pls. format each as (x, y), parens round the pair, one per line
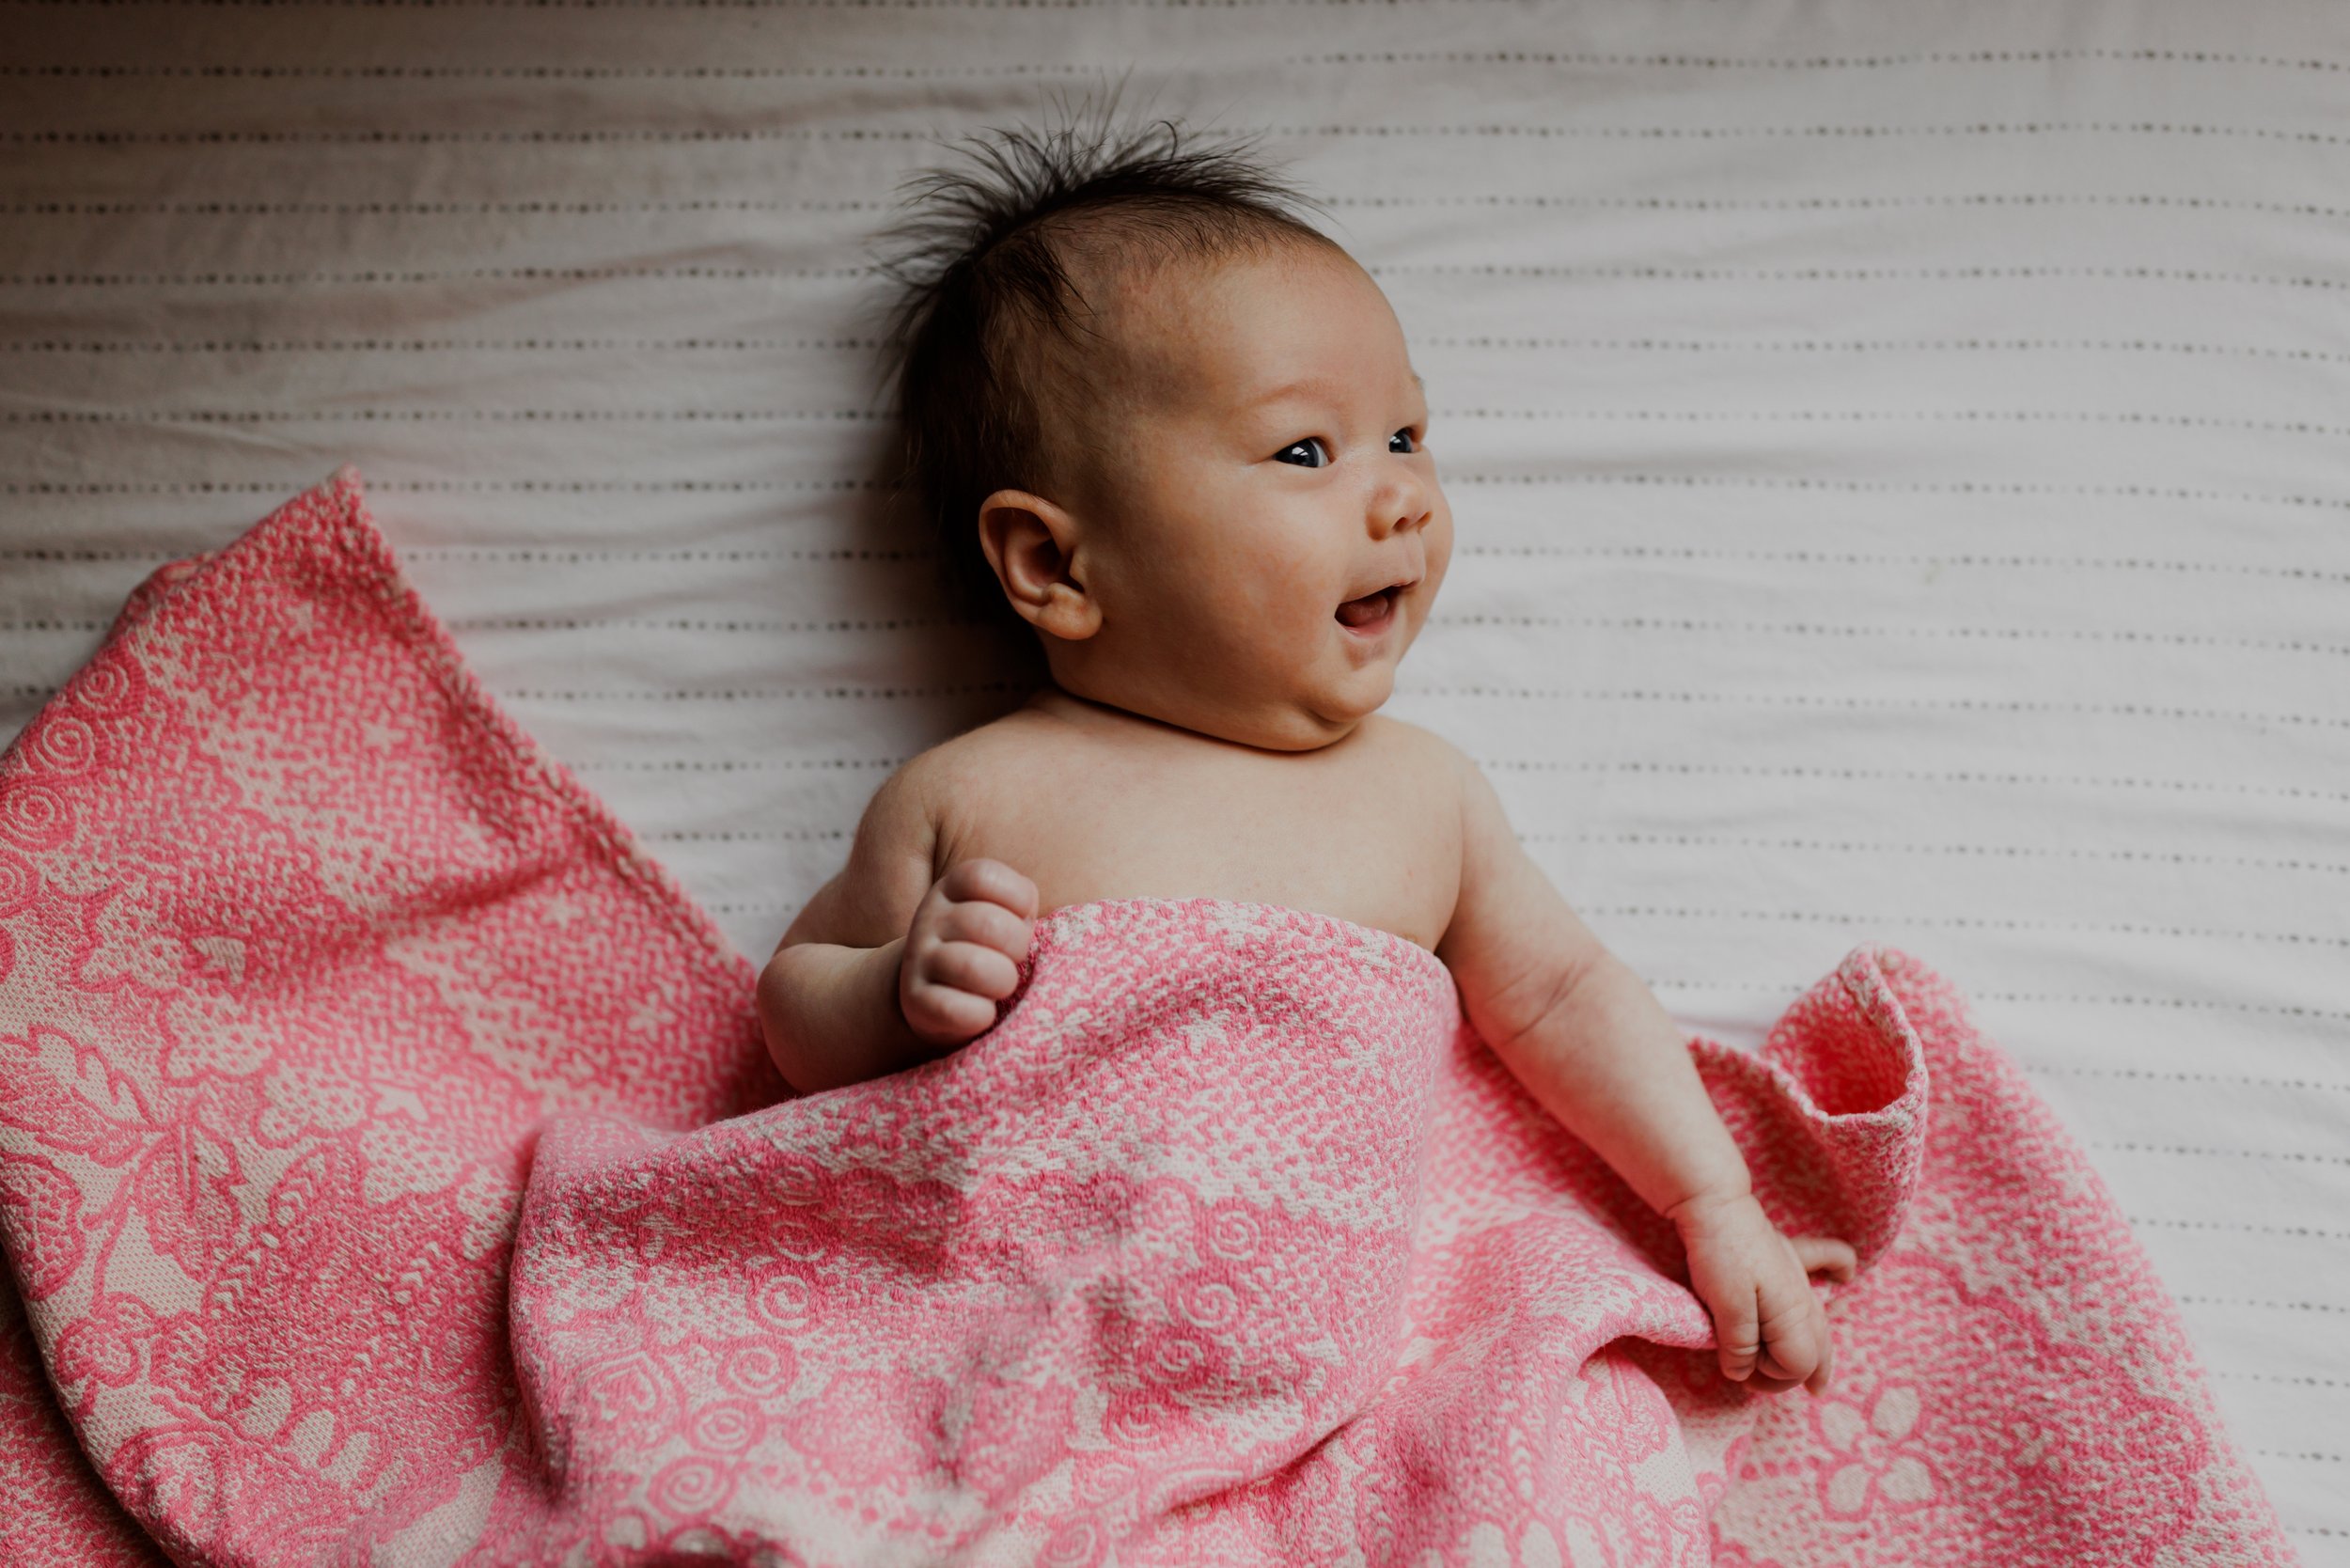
(1755, 1282)
(964, 951)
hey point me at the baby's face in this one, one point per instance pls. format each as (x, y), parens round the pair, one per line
(1258, 514)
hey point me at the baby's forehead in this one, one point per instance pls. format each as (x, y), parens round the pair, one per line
(1168, 294)
(1181, 328)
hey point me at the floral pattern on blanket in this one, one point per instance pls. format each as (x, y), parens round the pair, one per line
(390, 1171)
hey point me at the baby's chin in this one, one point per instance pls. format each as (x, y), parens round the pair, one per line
(1320, 718)
(1288, 727)
(1300, 715)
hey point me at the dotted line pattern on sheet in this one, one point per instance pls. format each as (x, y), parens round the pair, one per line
(1896, 416)
(1914, 632)
(2151, 1075)
(1875, 704)
(2192, 1300)
(1629, 552)
(2295, 1156)
(1962, 922)
(1813, 62)
(766, 694)
(1897, 487)
(446, 345)
(784, 835)
(439, 415)
(471, 487)
(1931, 562)
(910, 623)
(774, 345)
(546, 74)
(755, 764)
(1496, 199)
(1887, 345)
(2010, 852)
(2242, 1227)
(1910, 775)
(433, 275)
(1574, 272)
(1387, 57)
(608, 134)
(754, 415)
(1661, 480)
(1568, 272)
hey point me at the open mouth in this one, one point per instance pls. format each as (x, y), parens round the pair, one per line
(1372, 611)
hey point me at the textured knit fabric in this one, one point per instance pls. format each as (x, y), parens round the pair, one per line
(392, 1173)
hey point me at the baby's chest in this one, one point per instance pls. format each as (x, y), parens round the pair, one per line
(1386, 857)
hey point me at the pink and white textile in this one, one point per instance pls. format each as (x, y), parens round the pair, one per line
(391, 1173)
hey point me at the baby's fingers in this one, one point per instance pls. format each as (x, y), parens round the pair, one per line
(985, 925)
(950, 989)
(945, 1015)
(1795, 1343)
(993, 881)
(1826, 1255)
(1737, 1332)
(968, 966)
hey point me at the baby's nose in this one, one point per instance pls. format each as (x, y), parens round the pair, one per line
(1400, 506)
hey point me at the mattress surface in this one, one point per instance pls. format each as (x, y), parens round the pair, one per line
(1898, 455)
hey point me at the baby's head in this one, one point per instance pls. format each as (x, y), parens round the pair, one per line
(1169, 426)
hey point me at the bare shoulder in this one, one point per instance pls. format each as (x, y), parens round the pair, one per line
(872, 899)
(1403, 738)
(973, 772)
(1433, 764)
(1514, 943)
(1409, 788)
(907, 836)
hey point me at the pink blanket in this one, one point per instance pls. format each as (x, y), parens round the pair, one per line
(391, 1173)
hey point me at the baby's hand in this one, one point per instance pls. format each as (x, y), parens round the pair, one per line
(964, 949)
(1769, 1326)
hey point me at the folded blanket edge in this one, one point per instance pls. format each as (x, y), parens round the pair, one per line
(332, 527)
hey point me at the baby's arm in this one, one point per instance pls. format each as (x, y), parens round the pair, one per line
(1592, 1042)
(887, 966)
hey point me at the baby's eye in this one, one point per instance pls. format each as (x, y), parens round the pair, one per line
(1405, 436)
(1309, 453)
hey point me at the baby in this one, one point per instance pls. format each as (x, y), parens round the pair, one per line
(1176, 433)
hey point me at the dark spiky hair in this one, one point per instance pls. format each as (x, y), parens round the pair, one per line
(989, 262)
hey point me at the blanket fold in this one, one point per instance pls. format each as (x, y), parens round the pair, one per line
(1225, 1181)
(391, 1173)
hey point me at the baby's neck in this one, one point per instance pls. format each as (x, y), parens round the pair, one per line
(1126, 725)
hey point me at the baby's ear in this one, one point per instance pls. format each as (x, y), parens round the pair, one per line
(1028, 542)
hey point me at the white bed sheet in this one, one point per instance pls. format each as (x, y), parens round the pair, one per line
(1899, 455)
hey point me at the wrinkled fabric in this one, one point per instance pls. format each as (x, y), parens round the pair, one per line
(392, 1172)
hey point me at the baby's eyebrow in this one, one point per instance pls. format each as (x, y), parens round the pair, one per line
(1311, 385)
(1290, 389)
